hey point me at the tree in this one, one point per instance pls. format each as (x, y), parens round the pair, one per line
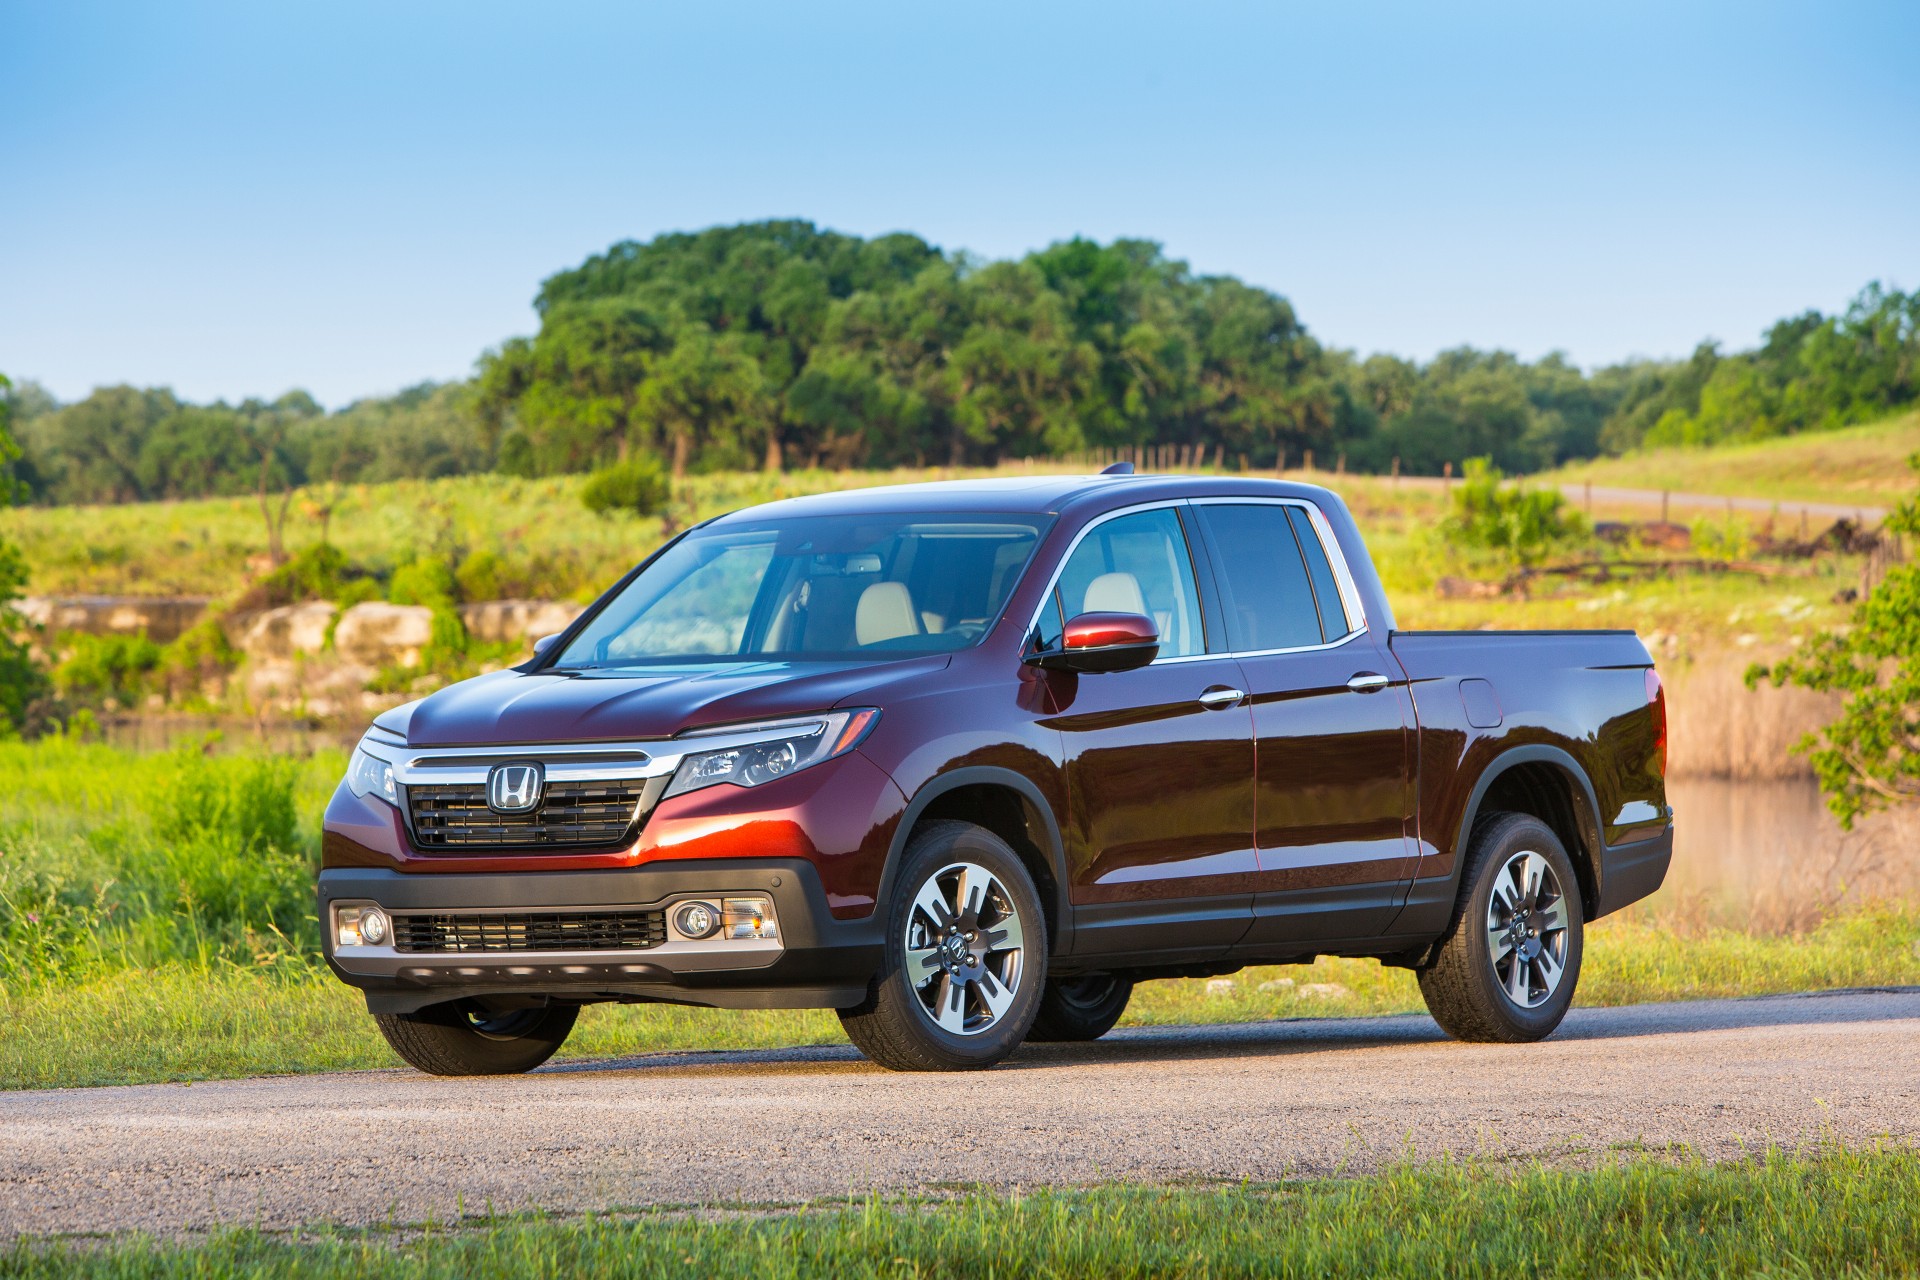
(1869, 756)
(22, 683)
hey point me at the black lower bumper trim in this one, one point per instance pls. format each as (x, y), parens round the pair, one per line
(823, 963)
(1629, 872)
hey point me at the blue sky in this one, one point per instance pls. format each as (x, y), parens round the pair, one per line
(237, 199)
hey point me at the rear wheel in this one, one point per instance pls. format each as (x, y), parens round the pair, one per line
(965, 960)
(1507, 969)
(1083, 1007)
(461, 1039)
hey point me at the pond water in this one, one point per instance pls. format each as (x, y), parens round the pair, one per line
(1769, 853)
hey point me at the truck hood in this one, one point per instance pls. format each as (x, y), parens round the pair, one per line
(628, 704)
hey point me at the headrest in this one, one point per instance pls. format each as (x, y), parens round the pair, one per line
(885, 612)
(1114, 593)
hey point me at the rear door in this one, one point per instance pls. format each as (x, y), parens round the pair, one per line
(1333, 726)
(1159, 761)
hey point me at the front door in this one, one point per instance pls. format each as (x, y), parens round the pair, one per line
(1333, 726)
(1160, 775)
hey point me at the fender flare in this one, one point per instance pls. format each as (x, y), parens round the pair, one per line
(1053, 849)
(1586, 807)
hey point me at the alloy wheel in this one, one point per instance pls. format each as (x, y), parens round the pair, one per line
(965, 949)
(1527, 930)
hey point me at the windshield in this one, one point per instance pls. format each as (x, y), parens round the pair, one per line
(814, 588)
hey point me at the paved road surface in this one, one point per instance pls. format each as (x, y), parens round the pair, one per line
(1262, 1101)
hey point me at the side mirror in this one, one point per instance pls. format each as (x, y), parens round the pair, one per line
(544, 643)
(1100, 642)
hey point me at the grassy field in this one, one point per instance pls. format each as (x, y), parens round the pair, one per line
(156, 924)
(1824, 1212)
(1865, 464)
(543, 544)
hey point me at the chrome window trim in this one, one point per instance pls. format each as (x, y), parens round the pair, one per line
(1329, 545)
(1053, 582)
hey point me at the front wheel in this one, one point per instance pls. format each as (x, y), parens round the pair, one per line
(1508, 966)
(460, 1039)
(965, 959)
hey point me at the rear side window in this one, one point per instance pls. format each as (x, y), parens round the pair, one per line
(1269, 601)
(1334, 624)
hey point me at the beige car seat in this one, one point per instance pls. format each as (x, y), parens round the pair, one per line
(885, 612)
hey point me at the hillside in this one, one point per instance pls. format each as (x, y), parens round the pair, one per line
(1866, 464)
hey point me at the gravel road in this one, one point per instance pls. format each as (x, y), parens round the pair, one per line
(1608, 495)
(1260, 1101)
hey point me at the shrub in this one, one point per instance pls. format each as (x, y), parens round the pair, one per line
(637, 486)
(483, 576)
(427, 580)
(1519, 522)
(197, 655)
(22, 682)
(317, 573)
(1727, 538)
(1868, 757)
(97, 668)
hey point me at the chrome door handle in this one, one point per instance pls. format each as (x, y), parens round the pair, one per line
(1221, 697)
(1368, 682)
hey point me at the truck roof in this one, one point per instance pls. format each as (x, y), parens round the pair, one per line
(1027, 495)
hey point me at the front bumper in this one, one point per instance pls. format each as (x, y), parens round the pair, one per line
(817, 962)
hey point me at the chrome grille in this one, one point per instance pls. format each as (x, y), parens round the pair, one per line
(570, 815)
(531, 931)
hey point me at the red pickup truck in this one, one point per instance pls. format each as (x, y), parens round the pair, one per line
(966, 761)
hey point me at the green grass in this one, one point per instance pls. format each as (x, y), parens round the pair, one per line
(1822, 1212)
(1866, 465)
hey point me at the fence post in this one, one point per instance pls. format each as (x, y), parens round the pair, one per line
(1280, 464)
(1340, 465)
(1308, 464)
(1396, 471)
(1665, 495)
(1446, 479)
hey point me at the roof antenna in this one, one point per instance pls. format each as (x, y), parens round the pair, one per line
(1118, 469)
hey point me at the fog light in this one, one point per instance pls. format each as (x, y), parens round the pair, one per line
(749, 918)
(350, 924)
(696, 920)
(373, 926)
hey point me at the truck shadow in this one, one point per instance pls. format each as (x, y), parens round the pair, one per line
(1312, 1035)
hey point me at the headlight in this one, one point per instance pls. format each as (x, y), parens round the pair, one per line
(370, 775)
(762, 752)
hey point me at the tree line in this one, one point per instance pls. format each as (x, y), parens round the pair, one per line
(778, 344)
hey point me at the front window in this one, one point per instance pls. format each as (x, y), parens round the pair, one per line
(1131, 564)
(814, 588)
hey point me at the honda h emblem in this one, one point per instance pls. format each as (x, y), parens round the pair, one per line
(514, 788)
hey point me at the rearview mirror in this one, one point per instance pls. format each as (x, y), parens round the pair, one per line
(1094, 643)
(544, 643)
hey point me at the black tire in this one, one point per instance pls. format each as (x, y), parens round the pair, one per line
(974, 952)
(1082, 1007)
(453, 1040)
(1470, 986)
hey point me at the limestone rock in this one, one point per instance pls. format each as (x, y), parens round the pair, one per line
(382, 635)
(276, 635)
